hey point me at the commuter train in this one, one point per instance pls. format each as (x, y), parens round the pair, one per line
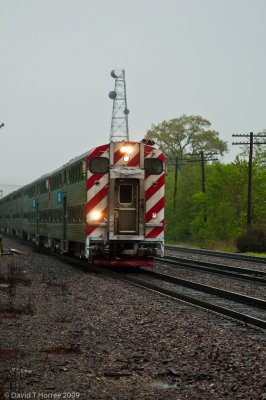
(106, 205)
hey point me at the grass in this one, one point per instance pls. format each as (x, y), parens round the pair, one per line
(227, 247)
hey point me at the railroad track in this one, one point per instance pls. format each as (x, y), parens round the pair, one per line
(252, 275)
(233, 256)
(241, 308)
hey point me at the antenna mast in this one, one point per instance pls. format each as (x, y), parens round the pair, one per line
(119, 124)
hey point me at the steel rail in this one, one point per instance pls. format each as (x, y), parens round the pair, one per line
(242, 317)
(235, 272)
(208, 289)
(173, 294)
(211, 253)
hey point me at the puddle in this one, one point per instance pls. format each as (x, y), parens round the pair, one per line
(15, 251)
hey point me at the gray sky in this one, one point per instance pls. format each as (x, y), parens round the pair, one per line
(204, 57)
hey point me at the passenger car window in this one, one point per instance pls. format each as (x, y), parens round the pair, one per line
(99, 165)
(153, 166)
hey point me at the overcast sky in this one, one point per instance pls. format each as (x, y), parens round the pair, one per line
(201, 57)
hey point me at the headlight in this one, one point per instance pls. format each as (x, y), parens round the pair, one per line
(126, 149)
(154, 215)
(126, 158)
(96, 215)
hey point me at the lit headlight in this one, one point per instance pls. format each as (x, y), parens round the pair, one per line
(96, 215)
(126, 158)
(126, 149)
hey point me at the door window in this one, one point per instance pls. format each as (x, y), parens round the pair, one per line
(126, 194)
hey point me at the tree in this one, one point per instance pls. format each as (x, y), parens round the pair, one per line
(188, 133)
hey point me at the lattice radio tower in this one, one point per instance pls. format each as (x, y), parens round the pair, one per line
(119, 124)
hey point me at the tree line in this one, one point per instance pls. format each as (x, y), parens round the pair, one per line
(219, 212)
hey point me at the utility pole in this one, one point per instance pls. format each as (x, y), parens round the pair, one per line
(119, 124)
(203, 187)
(178, 163)
(251, 142)
(203, 158)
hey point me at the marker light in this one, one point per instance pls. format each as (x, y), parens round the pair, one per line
(96, 215)
(154, 215)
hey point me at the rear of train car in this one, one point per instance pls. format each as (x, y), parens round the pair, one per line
(106, 205)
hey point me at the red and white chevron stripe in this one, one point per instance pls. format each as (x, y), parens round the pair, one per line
(98, 184)
(134, 156)
(97, 194)
(154, 191)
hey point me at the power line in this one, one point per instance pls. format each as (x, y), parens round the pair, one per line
(250, 143)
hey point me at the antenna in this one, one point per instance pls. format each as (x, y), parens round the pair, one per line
(119, 124)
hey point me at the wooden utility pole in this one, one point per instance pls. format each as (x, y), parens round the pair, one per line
(251, 142)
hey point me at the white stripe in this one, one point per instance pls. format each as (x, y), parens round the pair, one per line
(160, 217)
(155, 198)
(98, 232)
(92, 192)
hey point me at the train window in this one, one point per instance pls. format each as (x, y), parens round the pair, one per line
(153, 166)
(77, 172)
(125, 194)
(99, 165)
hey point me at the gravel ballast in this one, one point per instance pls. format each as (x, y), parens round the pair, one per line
(66, 333)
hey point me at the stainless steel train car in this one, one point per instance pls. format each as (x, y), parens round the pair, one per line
(106, 205)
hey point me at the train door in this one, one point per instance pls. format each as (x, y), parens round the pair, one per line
(36, 205)
(126, 207)
(64, 222)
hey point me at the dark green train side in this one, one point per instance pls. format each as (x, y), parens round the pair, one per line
(106, 205)
(50, 211)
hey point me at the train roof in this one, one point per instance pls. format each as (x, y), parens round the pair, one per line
(46, 175)
(68, 164)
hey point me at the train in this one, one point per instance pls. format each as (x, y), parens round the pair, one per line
(106, 205)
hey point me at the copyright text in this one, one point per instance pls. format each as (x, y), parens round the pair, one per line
(42, 395)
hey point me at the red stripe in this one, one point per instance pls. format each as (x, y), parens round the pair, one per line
(153, 189)
(92, 179)
(117, 156)
(155, 209)
(147, 150)
(134, 162)
(97, 198)
(155, 232)
(90, 229)
(161, 156)
(98, 151)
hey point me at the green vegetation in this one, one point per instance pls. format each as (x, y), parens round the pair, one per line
(186, 134)
(219, 214)
(217, 217)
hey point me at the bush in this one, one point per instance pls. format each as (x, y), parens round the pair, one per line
(253, 240)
